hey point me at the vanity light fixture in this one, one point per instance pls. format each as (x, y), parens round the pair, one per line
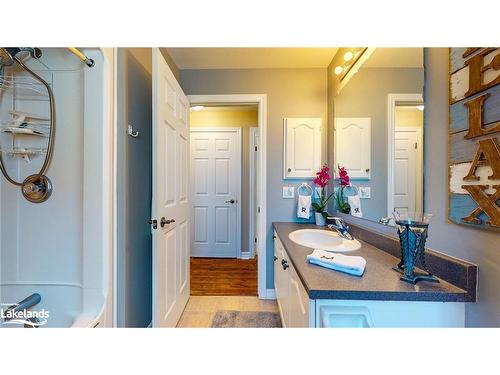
(197, 108)
(420, 107)
(350, 58)
(353, 58)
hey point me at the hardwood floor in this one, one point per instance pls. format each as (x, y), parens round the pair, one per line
(223, 277)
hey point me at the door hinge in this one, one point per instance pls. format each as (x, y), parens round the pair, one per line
(258, 210)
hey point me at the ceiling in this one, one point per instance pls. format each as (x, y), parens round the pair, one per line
(396, 58)
(251, 58)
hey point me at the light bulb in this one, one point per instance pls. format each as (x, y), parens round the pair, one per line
(420, 107)
(338, 70)
(348, 56)
(197, 108)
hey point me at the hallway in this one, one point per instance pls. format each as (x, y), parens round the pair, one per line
(223, 277)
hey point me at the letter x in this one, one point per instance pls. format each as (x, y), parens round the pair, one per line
(486, 204)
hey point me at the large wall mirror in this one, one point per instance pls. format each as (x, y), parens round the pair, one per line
(378, 113)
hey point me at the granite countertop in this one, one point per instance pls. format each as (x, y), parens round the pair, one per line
(379, 281)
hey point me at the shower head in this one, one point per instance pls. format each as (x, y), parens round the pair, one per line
(8, 54)
(6, 59)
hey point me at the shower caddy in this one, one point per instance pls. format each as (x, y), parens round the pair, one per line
(37, 187)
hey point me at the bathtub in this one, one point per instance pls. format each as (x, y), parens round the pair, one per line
(63, 248)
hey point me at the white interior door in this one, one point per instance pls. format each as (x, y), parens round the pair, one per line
(215, 192)
(407, 170)
(170, 206)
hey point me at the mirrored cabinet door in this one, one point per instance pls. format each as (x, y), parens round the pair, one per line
(353, 145)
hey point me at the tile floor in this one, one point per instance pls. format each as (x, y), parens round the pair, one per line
(200, 310)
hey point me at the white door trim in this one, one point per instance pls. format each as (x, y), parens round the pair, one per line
(251, 192)
(392, 101)
(261, 101)
(237, 131)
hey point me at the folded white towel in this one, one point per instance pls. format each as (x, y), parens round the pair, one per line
(354, 265)
(355, 203)
(304, 206)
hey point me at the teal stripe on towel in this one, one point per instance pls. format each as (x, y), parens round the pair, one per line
(350, 271)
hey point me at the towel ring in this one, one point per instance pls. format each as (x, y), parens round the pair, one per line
(307, 187)
(354, 188)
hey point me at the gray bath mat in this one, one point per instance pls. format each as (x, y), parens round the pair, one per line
(246, 319)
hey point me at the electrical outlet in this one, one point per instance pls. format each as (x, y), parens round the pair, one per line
(288, 192)
(364, 192)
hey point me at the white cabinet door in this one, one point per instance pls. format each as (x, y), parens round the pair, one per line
(353, 145)
(298, 302)
(281, 281)
(170, 203)
(302, 147)
(215, 192)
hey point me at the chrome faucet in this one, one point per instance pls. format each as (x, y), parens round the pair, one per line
(340, 226)
(385, 220)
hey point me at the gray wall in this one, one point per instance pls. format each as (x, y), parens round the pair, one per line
(366, 96)
(134, 188)
(171, 63)
(290, 93)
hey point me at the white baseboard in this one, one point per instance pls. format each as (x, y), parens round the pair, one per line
(245, 255)
(270, 294)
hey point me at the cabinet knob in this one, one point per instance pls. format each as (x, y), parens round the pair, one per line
(285, 265)
(289, 169)
(367, 170)
(275, 258)
(283, 261)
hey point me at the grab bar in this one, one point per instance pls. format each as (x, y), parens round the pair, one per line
(25, 304)
(90, 63)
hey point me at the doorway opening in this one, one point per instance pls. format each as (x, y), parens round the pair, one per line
(227, 169)
(222, 252)
(405, 188)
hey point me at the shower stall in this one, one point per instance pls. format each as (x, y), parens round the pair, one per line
(58, 245)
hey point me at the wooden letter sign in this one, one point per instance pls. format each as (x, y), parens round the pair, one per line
(474, 136)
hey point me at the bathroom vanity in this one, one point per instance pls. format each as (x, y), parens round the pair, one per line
(313, 296)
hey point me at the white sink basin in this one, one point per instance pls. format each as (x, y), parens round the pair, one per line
(323, 240)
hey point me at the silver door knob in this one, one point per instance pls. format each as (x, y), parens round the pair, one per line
(232, 201)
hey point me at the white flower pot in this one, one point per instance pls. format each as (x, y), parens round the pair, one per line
(320, 219)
